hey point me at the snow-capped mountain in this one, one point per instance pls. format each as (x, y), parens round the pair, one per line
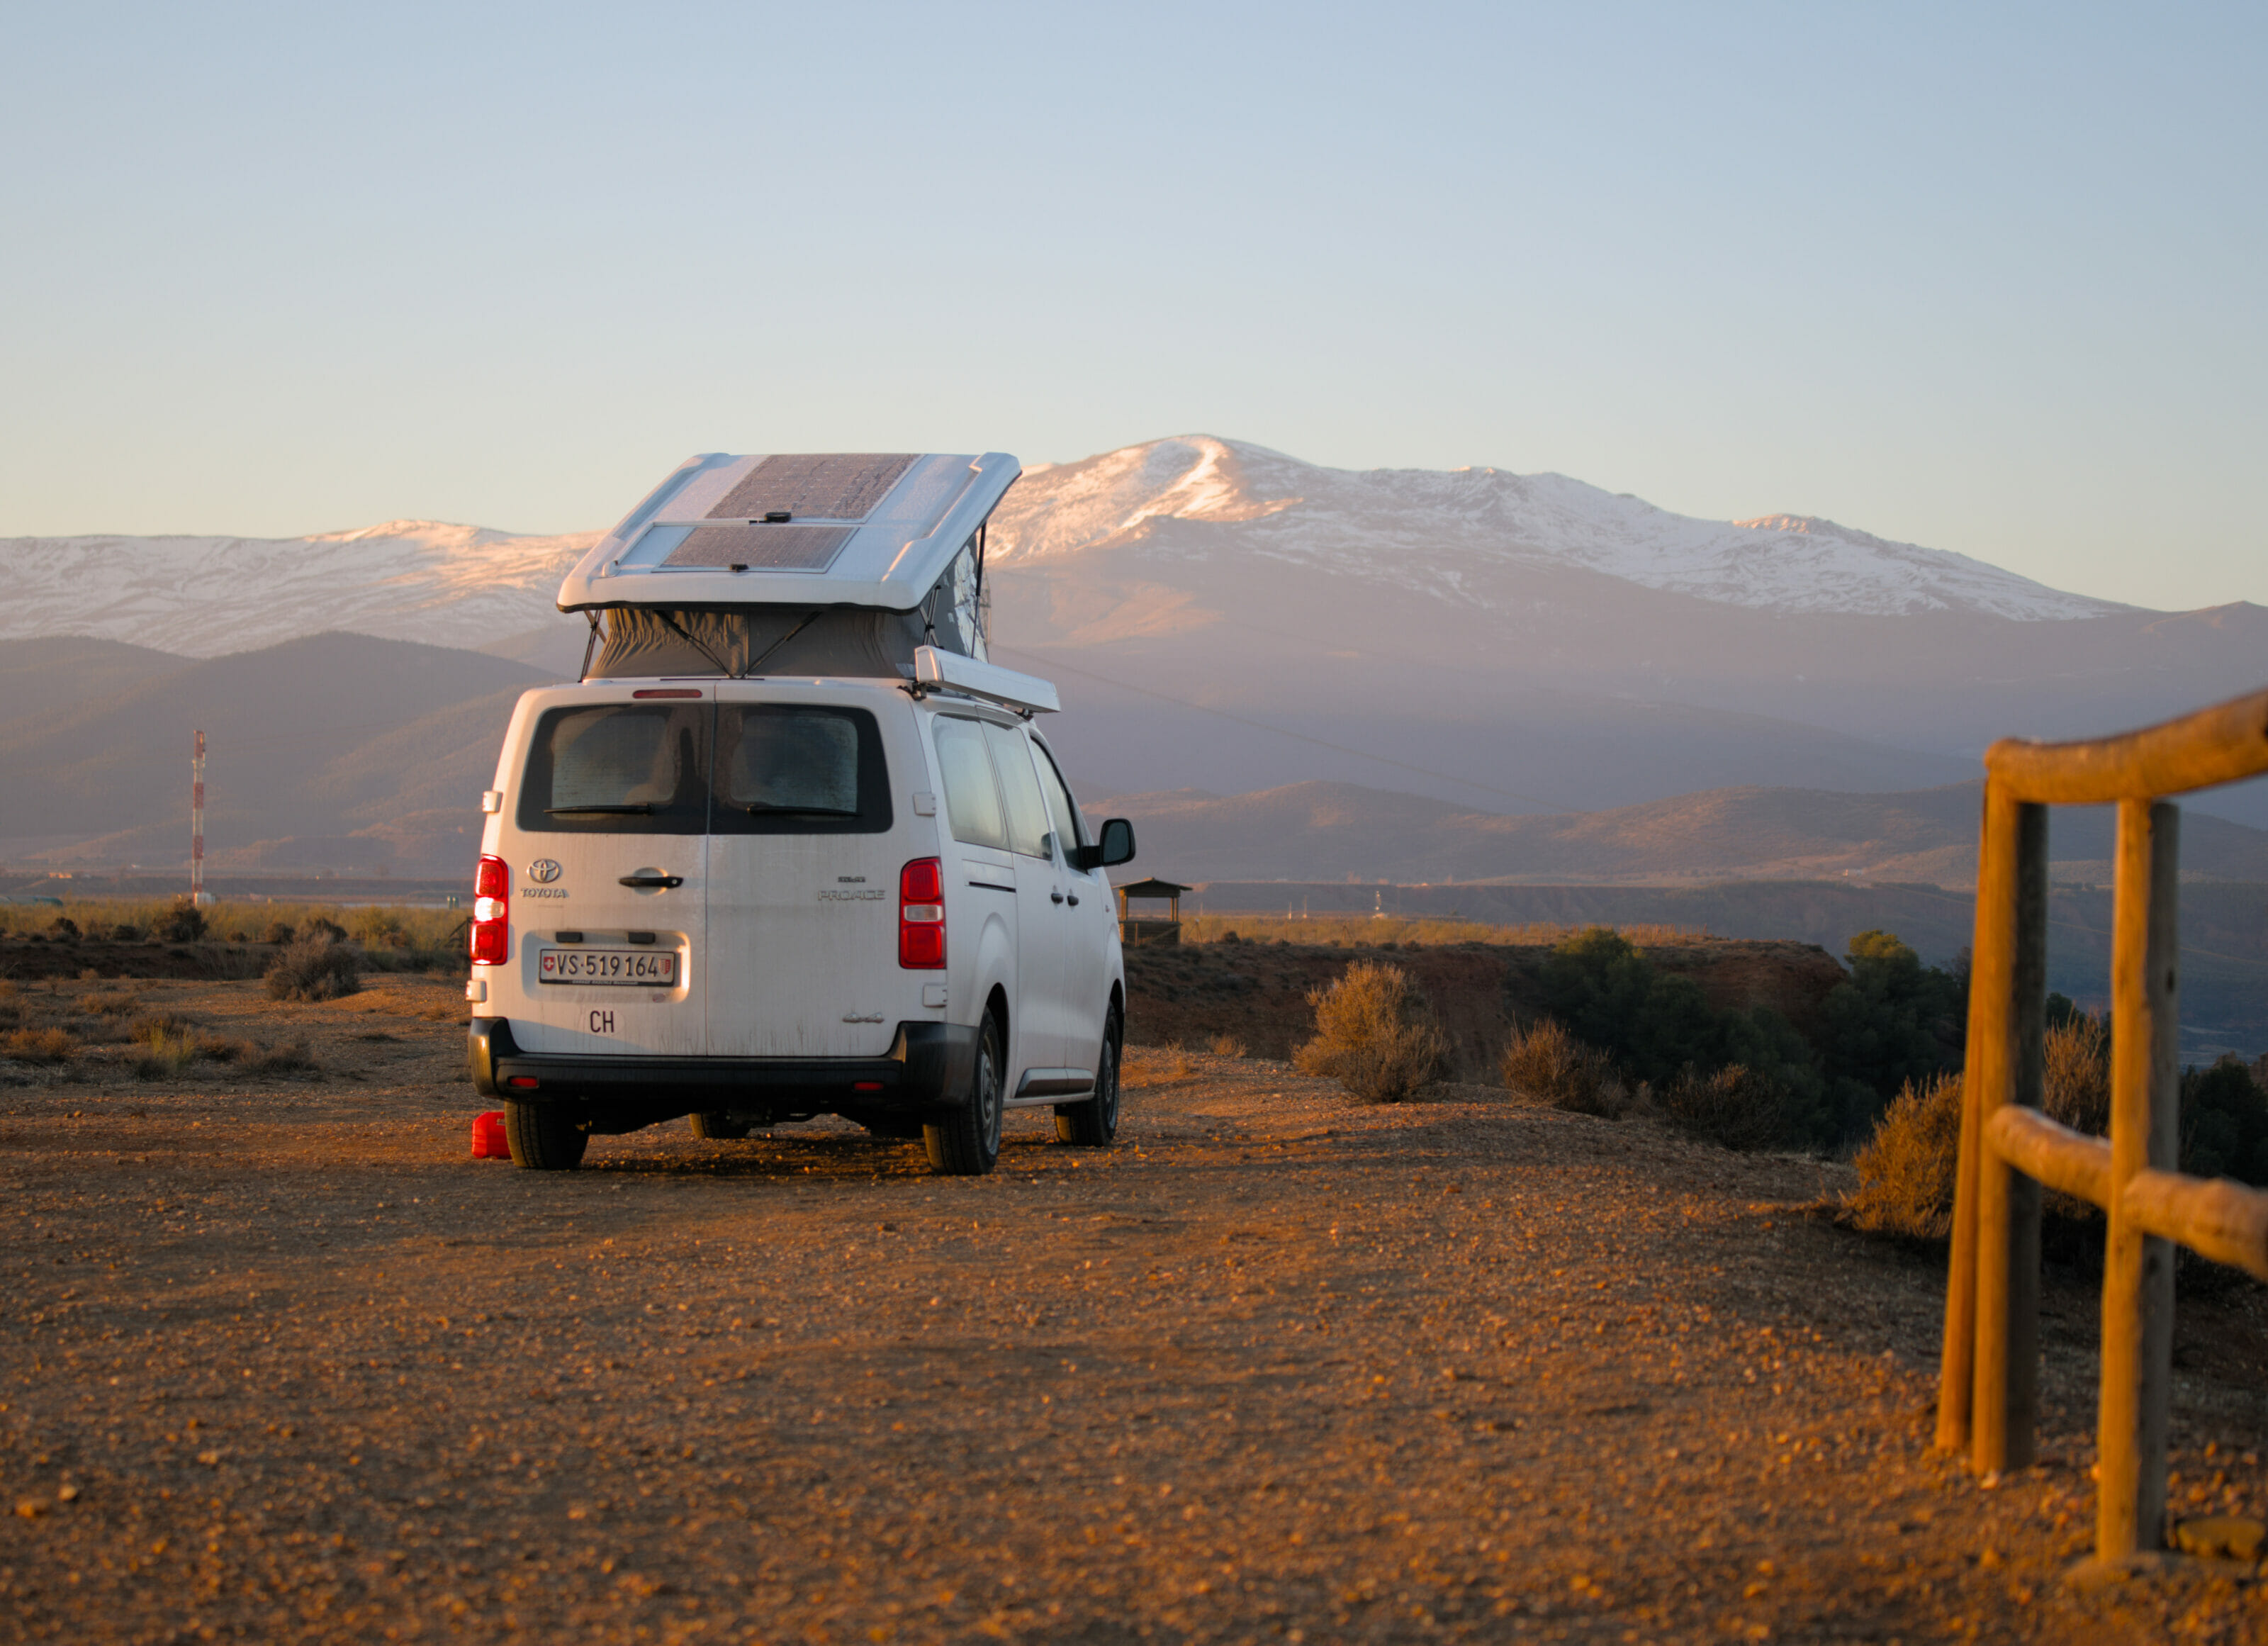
(1448, 533)
(1465, 536)
(458, 586)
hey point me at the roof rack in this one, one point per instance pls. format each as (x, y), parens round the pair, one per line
(1027, 694)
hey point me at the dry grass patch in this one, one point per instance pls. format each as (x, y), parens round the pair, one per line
(109, 1005)
(1228, 1046)
(1375, 1034)
(1155, 1066)
(38, 1045)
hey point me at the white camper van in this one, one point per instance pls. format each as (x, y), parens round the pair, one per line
(793, 845)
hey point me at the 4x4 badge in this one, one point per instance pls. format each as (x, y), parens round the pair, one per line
(543, 871)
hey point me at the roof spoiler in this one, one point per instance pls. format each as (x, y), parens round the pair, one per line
(1027, 693)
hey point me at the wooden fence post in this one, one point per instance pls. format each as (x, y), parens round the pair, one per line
(2138, 1271)
(2004, 1408)
(1990, 960)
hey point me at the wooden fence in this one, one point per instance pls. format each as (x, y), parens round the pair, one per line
(1988, 1384)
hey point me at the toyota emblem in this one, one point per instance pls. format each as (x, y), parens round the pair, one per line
(543, 871)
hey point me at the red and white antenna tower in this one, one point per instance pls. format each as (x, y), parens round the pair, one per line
(197, 897)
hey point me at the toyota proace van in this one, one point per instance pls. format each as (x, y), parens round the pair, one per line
(793, 845)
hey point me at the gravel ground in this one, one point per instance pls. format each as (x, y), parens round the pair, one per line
(281, 1362)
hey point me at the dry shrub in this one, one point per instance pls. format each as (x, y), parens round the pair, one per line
(2078, 1074)
(1545, 1061)
(1733, 1108)
(1228, 1046)
(7, 988)
(124, 933)
(183, 923)
(38, 1045)
(159, 1026)
(163, 1056)
(1907, 1167)
(291, 1058)
(1155, 1066)
(316, 967)
(109, 1005)
(1375, 1034)
(278, 933)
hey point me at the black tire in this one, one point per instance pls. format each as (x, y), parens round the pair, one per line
(544, 1136)
(1094, 1123)
(967, 1143)
(719, 1126)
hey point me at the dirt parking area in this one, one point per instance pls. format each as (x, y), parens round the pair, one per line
(279, 1361)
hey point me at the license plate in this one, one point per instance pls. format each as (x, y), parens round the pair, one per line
(641, 966)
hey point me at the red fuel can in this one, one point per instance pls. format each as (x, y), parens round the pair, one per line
(488, 1142)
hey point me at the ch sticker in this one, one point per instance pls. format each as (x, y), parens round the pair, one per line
(602, 1022)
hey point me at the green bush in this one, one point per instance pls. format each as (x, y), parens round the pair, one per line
(2224, 1123)
(1894, 1023)
(1656, 1025)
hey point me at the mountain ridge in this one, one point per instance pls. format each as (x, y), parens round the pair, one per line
(1327, 831)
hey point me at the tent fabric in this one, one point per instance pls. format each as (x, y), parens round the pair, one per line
(858, 642)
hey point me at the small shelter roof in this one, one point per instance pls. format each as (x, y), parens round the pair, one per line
(1153, 887)
(872, 529)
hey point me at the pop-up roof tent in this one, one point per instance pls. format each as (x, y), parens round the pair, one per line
(858, 565)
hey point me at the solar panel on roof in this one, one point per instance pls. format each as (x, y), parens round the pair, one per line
(827, 486)
(762, 548)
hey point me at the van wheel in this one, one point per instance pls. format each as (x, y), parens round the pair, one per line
(718, 1125)
(544, 1136)
(1094, 1123)
(967, 1141)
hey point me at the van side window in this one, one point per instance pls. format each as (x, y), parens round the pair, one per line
(972, 805)
(618, 769)
(1069, 827)
(1027, 813)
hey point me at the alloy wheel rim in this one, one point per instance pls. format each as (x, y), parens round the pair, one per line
(989, 1094)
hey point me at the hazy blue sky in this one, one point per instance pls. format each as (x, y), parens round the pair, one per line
(1987, 278)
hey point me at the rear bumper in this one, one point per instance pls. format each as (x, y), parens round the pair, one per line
(929, 1066)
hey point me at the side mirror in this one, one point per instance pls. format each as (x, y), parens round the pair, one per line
(1116, 846)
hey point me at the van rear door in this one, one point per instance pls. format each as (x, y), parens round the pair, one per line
(803, 855)
(609, 871)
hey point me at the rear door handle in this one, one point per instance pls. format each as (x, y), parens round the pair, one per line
(1073, 900)
(665, 881)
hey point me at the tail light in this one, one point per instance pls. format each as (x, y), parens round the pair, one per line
(492, 914)
(921, 915)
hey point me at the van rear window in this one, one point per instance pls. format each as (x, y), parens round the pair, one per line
(706, 768)
(619, 769)
(795, 768)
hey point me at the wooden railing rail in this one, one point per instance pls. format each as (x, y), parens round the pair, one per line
(1988, 1384)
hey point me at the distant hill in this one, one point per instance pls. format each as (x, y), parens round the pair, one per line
(41, 679)
(1333, 831)
(334, 750)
